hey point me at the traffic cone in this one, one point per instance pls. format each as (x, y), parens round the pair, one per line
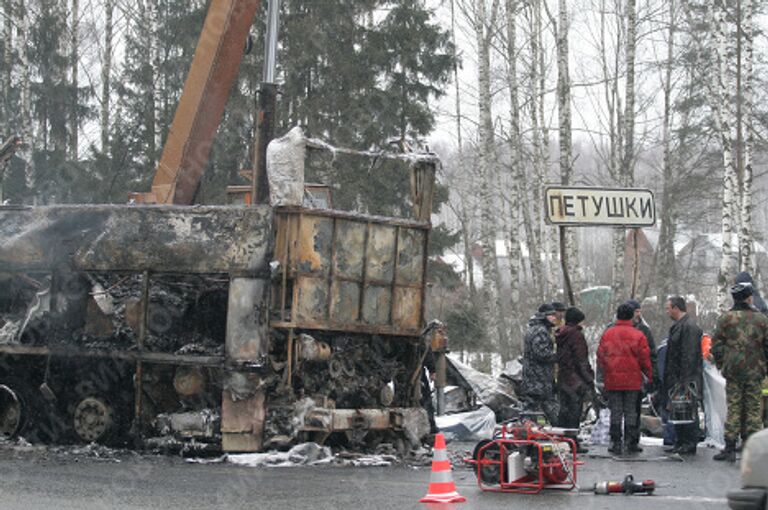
(441, 486)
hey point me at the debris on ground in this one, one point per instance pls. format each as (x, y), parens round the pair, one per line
(305, 454)
(496, 393)
(470, 426)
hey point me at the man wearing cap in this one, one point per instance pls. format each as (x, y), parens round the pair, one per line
(575, 378)
(683, 366)
(640, 324)
(539, 358)
(740, 348)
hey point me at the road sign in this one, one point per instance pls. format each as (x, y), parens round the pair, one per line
(616, 207)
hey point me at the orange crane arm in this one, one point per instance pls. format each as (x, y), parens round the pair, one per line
(201, 107)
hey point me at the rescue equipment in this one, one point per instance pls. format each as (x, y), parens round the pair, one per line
(626, 486)
(526, 458)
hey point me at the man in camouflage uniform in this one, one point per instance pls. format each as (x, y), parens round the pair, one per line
(740, 348)
(539, 358)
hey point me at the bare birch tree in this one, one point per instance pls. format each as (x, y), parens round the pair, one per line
(24, 23)
(565, 128)
(516, 161)
(106, 76)
(485, 27)
(8, 40)
(74, 55)
(724, 117)
(744, 118)
(665, 252)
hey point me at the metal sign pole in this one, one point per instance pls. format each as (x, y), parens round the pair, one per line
(564, 264)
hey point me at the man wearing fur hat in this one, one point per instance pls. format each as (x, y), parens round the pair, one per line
(575, 378)
(539, 358)
(740, 349)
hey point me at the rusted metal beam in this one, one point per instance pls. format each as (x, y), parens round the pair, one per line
(363, 218)
(211, 77)
(158, 358)
(346, 327)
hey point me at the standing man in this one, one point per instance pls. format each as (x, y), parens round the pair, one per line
(740, 348)
(683, 366)
(624, 358)
(575, 378)
(649, 387)
(539, 358)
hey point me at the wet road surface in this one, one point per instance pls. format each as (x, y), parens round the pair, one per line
(35, 478)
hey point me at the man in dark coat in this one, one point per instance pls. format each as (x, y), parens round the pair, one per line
(683, 366)
(575, 378)
(624, 358)
(740, 349)
(539, 358)
(648, 388)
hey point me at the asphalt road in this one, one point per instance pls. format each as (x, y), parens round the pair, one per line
(40, 479)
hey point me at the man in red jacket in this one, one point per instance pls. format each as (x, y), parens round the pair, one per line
(624, 357)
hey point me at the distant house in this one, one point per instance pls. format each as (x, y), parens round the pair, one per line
(698, 261)
(645, 252)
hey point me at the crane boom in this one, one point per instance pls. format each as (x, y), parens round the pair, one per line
(201, 107)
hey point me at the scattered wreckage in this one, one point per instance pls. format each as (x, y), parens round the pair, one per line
(231, 327)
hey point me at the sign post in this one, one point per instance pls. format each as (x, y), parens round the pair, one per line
(590, 207)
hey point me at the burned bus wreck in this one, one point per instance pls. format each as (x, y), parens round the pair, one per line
(227, 327)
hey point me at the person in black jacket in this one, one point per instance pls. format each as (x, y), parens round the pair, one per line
(575, 377)
(640, 324)
(683, 366)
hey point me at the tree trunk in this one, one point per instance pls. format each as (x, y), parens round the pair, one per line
(566, 137)
(7, 111)
(156, 140)
(534, 226)
(24, 23)
(74, 125)
(106, 76)
(745, 120)
(665, 252)
(484, 32)
(515, 150)
(724, 116)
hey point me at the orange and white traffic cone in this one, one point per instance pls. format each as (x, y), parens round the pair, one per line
(441, 486)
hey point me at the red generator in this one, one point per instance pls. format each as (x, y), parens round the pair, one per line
(526, 458)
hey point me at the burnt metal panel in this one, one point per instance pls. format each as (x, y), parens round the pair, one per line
(136, 238)
(314, 245)
(312, 299)
(377, 305)
(406, 313)
(350, 249)
(381, 253)
(242, 422)
(247, 329)
(410, 258)
(345, 299)
(349, 272)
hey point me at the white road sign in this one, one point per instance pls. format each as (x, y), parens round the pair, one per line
(599, 206)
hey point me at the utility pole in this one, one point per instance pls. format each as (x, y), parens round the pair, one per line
(265, 121)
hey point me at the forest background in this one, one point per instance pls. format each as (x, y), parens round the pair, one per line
(513, 95)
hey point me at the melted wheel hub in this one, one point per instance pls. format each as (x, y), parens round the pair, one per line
(93, 419)
(10, 412)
